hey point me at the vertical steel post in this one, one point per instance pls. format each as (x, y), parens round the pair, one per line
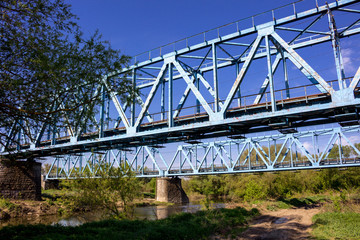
(275, 149)
(340, 149)
(291, 155)
(270, 74)
(197, 81)
(102, 112)
(286, 77)
(107, 118)
(133, 107)
(249, 156)
(136, 160)
(180, 160)
(163, 114)
(212, 158)
(269, 150)
(196, 156)
(170, 93)
(337, 51)
(239, 91)
(205, 158)
(216, 87)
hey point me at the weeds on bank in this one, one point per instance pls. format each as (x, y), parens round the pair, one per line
(336, 225)
(199, 225)
(7, 205)
(340, 218)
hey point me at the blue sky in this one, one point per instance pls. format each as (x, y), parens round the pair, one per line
(137, 26)
(140, 25)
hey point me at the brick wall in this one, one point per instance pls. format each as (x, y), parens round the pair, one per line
(20, 180)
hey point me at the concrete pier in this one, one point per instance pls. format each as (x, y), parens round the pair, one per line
(20, 180)
(49, 183)
(170, 190)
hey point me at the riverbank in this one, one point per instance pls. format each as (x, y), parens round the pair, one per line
(329, 216)
(197, 225)
(54, 205)
(317, 216)
(10, 209)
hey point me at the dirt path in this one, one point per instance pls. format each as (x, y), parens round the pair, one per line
(282, 224)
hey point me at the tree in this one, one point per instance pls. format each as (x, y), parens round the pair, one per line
(50, 74)
(110, 189)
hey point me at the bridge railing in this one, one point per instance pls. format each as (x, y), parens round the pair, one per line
(237, 26)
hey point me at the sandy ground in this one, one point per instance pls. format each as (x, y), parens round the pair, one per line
(282, 224)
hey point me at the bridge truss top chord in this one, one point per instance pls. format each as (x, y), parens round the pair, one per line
(244, 79)
(314, 149)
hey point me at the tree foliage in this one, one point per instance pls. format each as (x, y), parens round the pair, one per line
(49, 72)
(251, 187)
(114, 189)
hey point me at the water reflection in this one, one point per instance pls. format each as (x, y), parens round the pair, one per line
(147, 212)
(161, 212)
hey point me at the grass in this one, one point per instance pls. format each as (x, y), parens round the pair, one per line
(199, 225)
(336, 225)
(6, 204)
(149, 195)
(287, 203)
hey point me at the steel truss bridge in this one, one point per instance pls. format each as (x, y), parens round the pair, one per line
(276, 152)
(280, 70)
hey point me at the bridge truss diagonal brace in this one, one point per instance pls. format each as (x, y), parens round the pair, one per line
(280, 151)
(355, 80)
(238, 158)
(267, 79)
(218, 150)
(204, 158)
(187, 159)
(152, 157)
(125, 106)
(117, 104)
(323, 86)
(336, 136)
(241, 75)
(187, 92)
(255, 146)
(149, 99)
(194, 89)
(179, 153)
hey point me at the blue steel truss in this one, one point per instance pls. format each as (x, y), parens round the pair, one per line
(233, 80)
(314, 149)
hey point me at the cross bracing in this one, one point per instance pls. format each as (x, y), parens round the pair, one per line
(314, 149)
(250, 79)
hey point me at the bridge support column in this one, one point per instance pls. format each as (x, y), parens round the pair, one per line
(49, 183)
(20, 180)
(170, 190)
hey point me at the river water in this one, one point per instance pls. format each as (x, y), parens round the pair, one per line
(147, 212)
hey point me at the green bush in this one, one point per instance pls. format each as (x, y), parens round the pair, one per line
(114, 186)
(255, 191)
(279, 185)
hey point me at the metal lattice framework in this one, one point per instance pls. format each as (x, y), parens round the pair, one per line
(292, 151)
(237, 79)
